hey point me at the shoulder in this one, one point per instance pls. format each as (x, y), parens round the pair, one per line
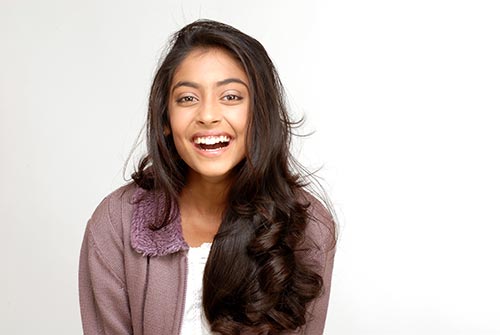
(319, 253)
(321, 227)
(128, 215)
(107, 226)
(103, 244)
(113, 208)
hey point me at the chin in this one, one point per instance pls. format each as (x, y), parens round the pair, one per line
(223, 171)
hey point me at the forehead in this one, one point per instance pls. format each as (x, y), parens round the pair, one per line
(205, 65)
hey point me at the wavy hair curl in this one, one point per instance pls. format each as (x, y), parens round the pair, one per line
(254, 280)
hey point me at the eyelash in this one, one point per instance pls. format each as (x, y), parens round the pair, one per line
(227, 97)
(234, 97)
(188, 98)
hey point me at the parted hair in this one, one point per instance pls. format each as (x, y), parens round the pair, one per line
(254, 280)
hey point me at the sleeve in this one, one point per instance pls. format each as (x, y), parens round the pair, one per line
(104, 302)
(323, 231)
(318, 308)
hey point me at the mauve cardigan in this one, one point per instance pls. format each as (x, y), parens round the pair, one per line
(132, 280)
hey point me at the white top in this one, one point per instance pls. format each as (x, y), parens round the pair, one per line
(194, 321)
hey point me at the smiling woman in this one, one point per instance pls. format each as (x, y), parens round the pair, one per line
(217, 233)
(209, 108)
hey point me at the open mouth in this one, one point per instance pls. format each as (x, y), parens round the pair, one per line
(209, 143)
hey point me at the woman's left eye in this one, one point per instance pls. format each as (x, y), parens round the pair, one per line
(231, 97)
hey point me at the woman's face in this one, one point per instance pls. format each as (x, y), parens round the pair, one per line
(209, 110)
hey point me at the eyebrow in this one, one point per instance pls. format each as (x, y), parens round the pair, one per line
(231, 80)
(218, 84)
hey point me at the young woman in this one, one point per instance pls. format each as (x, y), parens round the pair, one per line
(216, 233)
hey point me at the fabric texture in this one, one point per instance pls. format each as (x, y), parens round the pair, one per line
(132, 280)
(194, 320)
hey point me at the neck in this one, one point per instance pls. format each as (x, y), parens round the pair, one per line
(207, 197)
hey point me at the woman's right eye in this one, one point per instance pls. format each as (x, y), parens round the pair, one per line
(186, 99)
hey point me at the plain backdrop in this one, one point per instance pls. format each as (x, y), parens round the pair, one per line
(403, 98)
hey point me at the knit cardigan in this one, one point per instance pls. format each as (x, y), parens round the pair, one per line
(132, 279)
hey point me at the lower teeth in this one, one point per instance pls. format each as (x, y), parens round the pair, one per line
(212, 146)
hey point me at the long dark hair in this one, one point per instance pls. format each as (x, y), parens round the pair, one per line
(254, 279)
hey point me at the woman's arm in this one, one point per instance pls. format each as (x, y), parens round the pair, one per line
(321, 232)
(104, 302)
(318, 308)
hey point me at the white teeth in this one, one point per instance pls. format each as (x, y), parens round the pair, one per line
(211, 139)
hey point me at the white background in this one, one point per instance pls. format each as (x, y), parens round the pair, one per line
(404, 97)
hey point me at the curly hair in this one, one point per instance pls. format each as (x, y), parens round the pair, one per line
(255, 280)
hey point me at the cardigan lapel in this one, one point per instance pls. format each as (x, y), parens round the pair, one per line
(149, 210)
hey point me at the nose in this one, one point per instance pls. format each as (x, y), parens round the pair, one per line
(209, 113)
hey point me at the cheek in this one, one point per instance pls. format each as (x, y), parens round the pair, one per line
(177, 131)
(179, 142)
(177, 123)
(241, 119)
(181, 146)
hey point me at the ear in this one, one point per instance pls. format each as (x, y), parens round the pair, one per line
(166, 130)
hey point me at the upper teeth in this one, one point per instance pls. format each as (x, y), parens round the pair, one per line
(211, 139)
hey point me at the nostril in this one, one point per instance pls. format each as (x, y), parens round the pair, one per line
(202, 121)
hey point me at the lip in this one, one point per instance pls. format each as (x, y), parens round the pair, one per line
(211, 153)
(211, 133)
